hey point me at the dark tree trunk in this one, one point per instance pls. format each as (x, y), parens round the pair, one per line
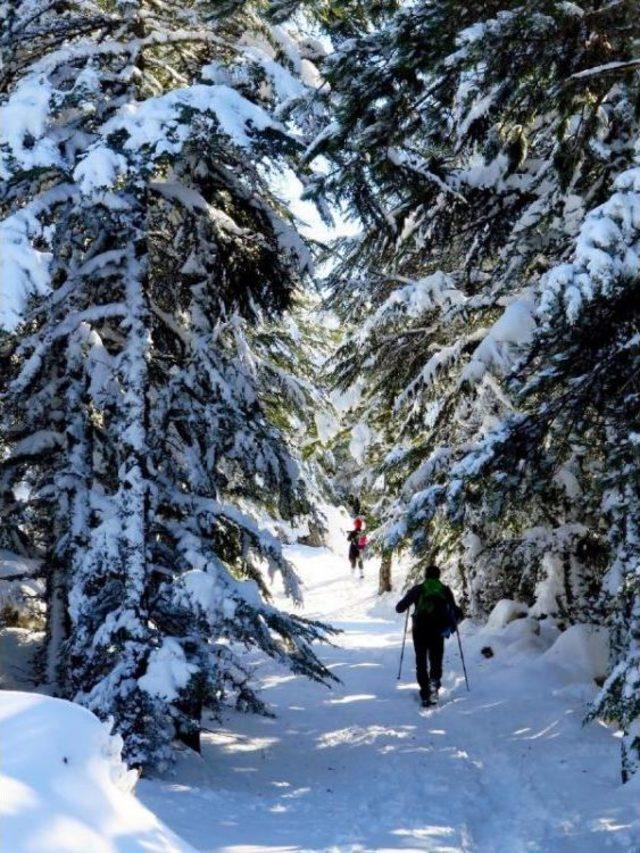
(315, 537)
(190, 737)
(189, 729)
(385, 572)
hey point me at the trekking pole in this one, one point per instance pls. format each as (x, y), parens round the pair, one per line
(464, 668)
(404, 640)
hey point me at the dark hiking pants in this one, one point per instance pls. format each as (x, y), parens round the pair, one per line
(355, 556)
(429, 648)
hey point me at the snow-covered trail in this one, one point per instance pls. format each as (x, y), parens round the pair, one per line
(507, 767)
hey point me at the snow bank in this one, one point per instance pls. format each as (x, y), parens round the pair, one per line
(581, 652)
(515, 638)
(64, 786)
(504, 612)
(519, 642)
(514, 742)
(578, 655)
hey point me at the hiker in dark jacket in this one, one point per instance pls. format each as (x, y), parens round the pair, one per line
(357, 543)
(435, 616)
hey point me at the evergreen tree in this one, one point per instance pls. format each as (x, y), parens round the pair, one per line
(288, 360)
(470, 150)
(142, 240)
(577, 392)
(470, 142)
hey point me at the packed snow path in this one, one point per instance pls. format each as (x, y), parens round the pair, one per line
(507, 767)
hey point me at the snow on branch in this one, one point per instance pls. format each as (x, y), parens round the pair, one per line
(415, 298)
(160, 126)
(36, 444)
(24, 271)
(405, 160)
(606, 257)
(606, 68)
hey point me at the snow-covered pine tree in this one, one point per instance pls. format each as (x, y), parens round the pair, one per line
(139, 237)
(289, 359)
(469, 143)
(471, 149)
(578, 412)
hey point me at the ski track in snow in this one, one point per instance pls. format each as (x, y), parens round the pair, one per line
(507, 767)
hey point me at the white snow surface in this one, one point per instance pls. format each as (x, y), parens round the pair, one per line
(582, 651)
(64, 786)
(505, 768)
(505, 612)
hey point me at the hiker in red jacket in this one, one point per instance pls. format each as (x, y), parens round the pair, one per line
(358, 541)
(435, 617)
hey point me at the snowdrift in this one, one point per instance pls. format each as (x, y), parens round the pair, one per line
(578, 654)
(64, 786)
(581, 653)
(504, 612)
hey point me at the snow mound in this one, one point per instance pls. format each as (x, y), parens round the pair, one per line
(520, 641)
(504, 612)
(582, 652)
(520, 629)
(64, 786)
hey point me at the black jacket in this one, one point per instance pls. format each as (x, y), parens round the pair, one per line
(352, 538)
(413, 596)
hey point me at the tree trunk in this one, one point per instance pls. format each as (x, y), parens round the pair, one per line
(315, 538)
(56, 628)
(385, 572)
(189, 729)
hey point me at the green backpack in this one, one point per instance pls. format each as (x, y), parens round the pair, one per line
(433, 602)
